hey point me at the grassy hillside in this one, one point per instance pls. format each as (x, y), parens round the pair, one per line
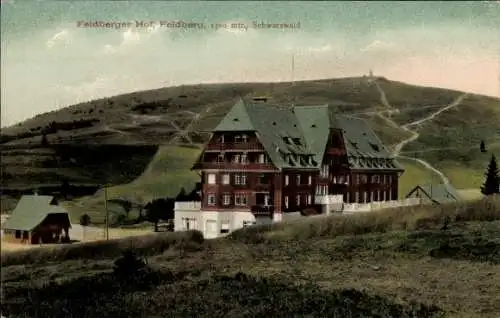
(182, 115)
(166, 174)
(393, 263)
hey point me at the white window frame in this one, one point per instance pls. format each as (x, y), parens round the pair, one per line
(212, 178)
(244, 138)
(226, 199)
(378, 195)
(226, 178)
(240, 179)
(297, 199)
(225, 227)
(298, 179)
(309, 179)
(209, 196)
(244, 158)
(240, 199)
(286, 201)
(287, 180)
(365, 196)
(356, 197)
(262, 158)
(309, 199)
(236, 159)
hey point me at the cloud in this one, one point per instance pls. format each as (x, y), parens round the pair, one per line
(378, 45)
(60, 37)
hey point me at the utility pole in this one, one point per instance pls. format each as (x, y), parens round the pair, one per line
(106, 210)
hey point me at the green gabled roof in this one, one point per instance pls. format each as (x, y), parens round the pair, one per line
(362, 142)
(439, 193)
(273, 124)
(237, 119)
(311, 125)
(315, 124)
(30, 211)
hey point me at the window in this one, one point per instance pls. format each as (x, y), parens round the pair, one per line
(224, 228)
(347, 179)
(390, 194)
(189, 224)
(334, 179)
(357, 179)
(384, 179)
(237, 138)
(378, 195)
(18, 234)
(244, 158)
(244, 138)
(248, 223)
(324, 171)
(356, 197)
(240, 199)
(263, 179)
(372, 196)
(220, 158)
(211, 199)
(347, 197)
(240, 179)
(286, 180)
(226, 199)
(262, 158)
(341, 179)
(309, 199)
(298, 199)
(236, 159)
(365, 196)
(226, 179)
(298, 179)
(286, 202)
(390, 179)
(364, 178)
(383, 195)
(211, 178)
(309, 180)
(375, 179)
(26, 235)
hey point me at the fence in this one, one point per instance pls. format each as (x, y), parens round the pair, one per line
(374, 206)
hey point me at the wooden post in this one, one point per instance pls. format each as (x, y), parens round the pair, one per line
(106, 211)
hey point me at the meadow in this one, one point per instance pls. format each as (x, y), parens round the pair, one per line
(423, 261)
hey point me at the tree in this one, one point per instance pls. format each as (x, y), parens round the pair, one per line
(482, 146)
(84, 222)
(492, 182)
(65, 188)
(182, 196)
(160, 209)
(44, 140)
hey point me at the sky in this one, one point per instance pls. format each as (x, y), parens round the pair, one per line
(50, 61)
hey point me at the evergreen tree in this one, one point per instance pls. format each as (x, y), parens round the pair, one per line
(492, 182)
(44, 140)
(182, 196)
(482, 146)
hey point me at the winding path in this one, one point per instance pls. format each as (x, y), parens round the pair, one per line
(414, 134)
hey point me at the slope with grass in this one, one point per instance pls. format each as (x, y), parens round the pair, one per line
(182, 115)
(392, 263)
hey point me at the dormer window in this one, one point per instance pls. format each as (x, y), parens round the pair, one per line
(244, 138)
(262, 158)
(375, 147)
(237, 138)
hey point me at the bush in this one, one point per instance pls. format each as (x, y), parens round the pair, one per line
(146, 245)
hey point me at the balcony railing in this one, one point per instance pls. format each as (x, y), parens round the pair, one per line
(262, 209)
(237, 166)
(252, 145)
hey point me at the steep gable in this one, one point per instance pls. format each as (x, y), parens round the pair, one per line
(30, 211)
(237, 119)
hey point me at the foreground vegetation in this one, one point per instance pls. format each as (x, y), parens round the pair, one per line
(412, 262)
